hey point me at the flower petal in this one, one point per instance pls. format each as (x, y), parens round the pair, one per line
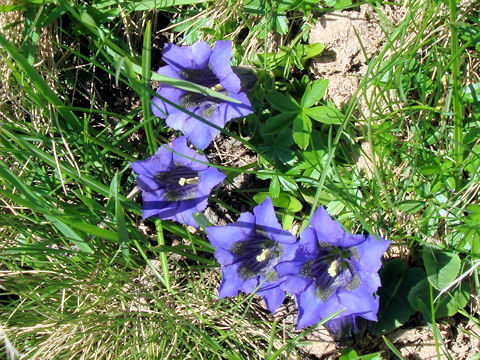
(209, 179)
(266, 218)
(273, 297)
(308, 308)
(179, 145)
(308, 243)
(225, 236)
(161, 108)
(199, 133)
(329, 231)
(193, 57)
(160, 161)
(231, 282)
(220, 63)
(370, 253)
(358, 301)
(295, 284)
(225, 257)
(230, 110)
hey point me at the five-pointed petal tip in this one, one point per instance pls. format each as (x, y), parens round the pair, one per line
(201, 65)
(175, 182)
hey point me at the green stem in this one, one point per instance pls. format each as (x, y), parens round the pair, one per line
(457, 105)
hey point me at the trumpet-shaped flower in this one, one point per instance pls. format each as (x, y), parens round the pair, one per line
(330, 270)
(248, 251)
(210, 68)
(173, 186)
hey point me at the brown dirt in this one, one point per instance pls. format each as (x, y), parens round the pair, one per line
(351, 39)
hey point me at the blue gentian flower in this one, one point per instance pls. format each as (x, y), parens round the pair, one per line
(248, 251)
(173, 186)
(330, 270)
(210, 68)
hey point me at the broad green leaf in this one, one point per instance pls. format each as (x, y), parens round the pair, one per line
(279, 122)
(324, 114)
(283, 200)
(447, 305)
(281, 23)
(313, 93)
(287, 221)
(313, 50)
(442, 267)
(274, 189)
(282, 102)
(394, 309)
(348, 354)
(302, 128)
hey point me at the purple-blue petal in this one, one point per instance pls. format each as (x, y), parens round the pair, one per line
(161, 160)
(161, 108)
(209, 179)
(308, 243)
(199, 133)
(225, 257)
(220, 63)
(358, 301)
(225, 236)
(273, 297)
(179, 145)
(308, 307)
(370, 253)
(231, 281)
(329, 231)
(230, 110)
(266, 218)
(295, 284)
(194, 57)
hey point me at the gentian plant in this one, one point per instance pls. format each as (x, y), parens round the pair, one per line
(210, 68)
(330, 270)
(175, 184)
(248, 252)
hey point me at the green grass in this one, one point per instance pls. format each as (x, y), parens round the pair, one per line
(84, 276)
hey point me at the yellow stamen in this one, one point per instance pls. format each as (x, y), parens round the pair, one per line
(263, 255)
(333, 268)
(217, 87)
(184, 181)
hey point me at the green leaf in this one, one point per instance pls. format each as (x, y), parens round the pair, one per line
(281, 23)
(442, 267)
(324, 114)
(287, 221)
(313, 93)
(279, 122)
(348, 354)
(411, 206)
(302, 128)
(447, 305)
(283, 200)
(313, 50)
(394, 309)
(274, 189)
(282, 102)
